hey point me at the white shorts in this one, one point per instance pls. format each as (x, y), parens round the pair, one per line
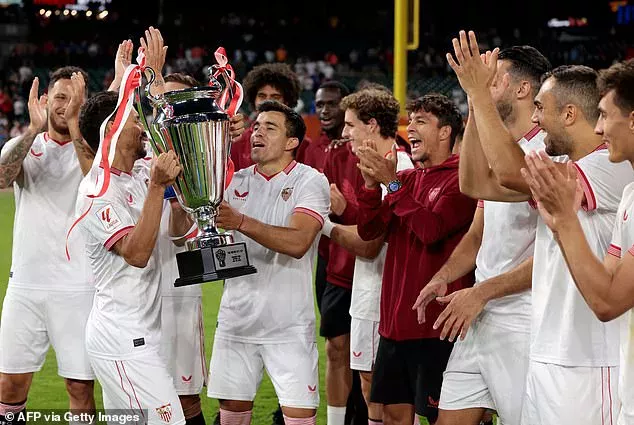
(32, 320)
(139, 386)
(183, 342)
(235, 371)
(364, 343)
(487, 369)
(570, 395)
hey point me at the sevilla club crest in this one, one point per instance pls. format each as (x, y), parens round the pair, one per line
(286, 193)
(165, 412)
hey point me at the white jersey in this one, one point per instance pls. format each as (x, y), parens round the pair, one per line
(277, 303)
(368, 274)
(509, 239)
(125, 318)
(622, 245)
(564, 330)
(44, 211)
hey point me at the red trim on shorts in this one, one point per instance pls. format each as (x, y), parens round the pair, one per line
(610, 394)
(122, 387)
(480, 203)
(615, 250)
(591, 200)
(112, 240)
(133, 391)
(313, 214)
(201, 337)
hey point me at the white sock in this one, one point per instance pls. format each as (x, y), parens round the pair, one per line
(335, 415)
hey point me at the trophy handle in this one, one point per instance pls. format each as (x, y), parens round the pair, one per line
(158, 102)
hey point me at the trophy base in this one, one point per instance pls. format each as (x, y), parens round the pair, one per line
(213, 263)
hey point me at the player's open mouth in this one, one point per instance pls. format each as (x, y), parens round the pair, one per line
(325, 121)
(257, 145)
(415, 143)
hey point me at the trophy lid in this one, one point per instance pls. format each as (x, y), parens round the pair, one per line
(188, 94)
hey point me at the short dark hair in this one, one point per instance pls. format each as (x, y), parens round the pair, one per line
(377, 104)
(64, 73)
(620, 78)
(526, 62)
(335, 85)
(442, 108)
(278, 75)
(295, 126)
(178, 77)
(577, 84)
(93, 113)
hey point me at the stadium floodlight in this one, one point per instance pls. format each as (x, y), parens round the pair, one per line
(42, 11)
(89, 13)
(48, 13)
(73, 13)
(102, 14)
(66, 12)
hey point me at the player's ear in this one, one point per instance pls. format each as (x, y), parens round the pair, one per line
(292, 143)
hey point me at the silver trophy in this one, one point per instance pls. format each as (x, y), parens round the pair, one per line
(191, 123)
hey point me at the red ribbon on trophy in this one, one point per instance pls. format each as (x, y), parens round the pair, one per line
(232, 88)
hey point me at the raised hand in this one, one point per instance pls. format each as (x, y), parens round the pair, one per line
(558, 195)
(122, 60)
(77, 97)
(155, 50)
(475, 72)
(38, 116)
(165, 169)
(374, 167)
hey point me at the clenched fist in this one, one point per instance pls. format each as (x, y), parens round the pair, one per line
(165, 169)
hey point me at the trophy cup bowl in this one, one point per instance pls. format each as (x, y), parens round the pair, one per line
(191, 123)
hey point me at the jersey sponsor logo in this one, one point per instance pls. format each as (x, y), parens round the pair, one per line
(36, 154)
(625, 216)
(359, 354)
(286, 193)
(312, 388)
(165, 412)
(108, 218)
(138, 342)
(433, 194)
(187, 379)
(240, 195)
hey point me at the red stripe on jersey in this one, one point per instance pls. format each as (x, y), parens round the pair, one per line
(532, 203)
(311, 213)
(48, 137)
(631, 250)
(610, 394)
(290, 167)
(614, 250)
(118, 235)
(528, 136)
(600, 147)
(591, 200)
(480, 203)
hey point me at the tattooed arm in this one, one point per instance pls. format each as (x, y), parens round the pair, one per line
(14, 152)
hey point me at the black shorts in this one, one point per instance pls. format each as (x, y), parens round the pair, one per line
(320, 280)
(335, 311)
(410, 372)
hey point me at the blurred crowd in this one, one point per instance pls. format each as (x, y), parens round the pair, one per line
(318, 51)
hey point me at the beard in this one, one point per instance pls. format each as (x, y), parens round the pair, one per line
(59, 127)
(556, 146)
(505, 109)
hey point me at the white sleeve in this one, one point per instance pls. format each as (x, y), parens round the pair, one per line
(314, 198)
(616, 243)
(603, 181)
(108, 221)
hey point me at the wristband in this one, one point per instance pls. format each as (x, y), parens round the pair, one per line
(326, 229)
(169, 193)
(241, 221)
